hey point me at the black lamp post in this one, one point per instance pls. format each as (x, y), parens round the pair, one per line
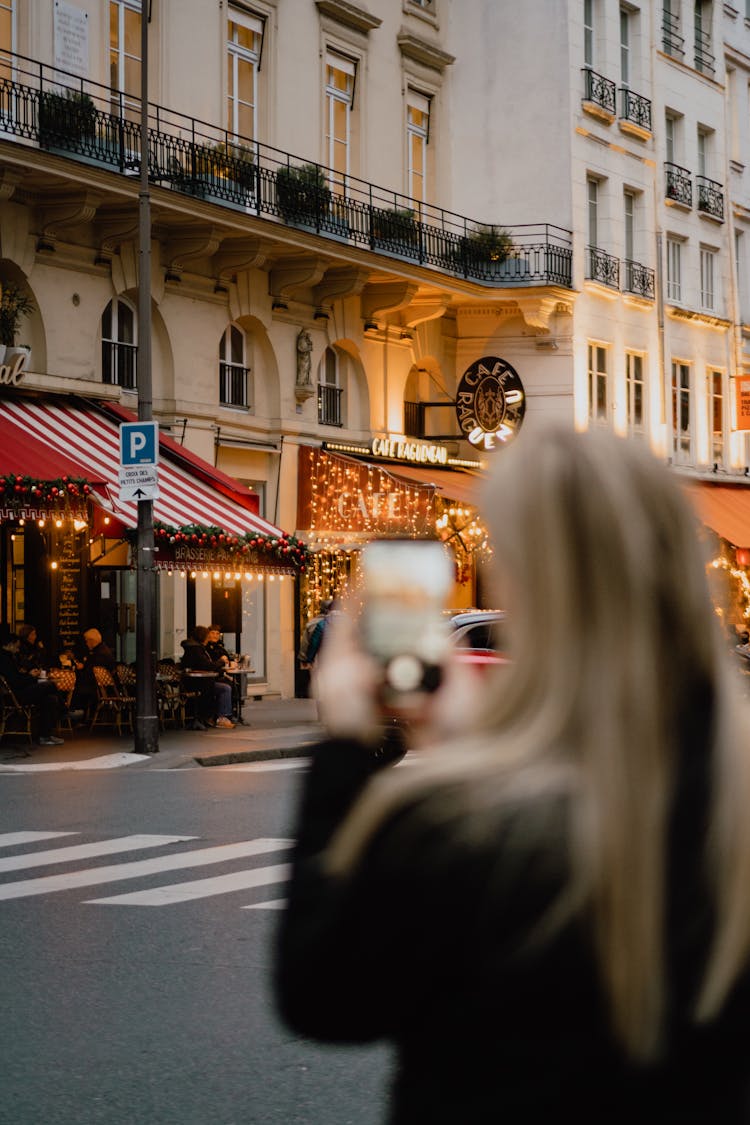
(146, 711)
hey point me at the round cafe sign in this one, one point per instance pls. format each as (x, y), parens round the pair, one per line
(490, 402)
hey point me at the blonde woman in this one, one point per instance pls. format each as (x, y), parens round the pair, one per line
(548, 914)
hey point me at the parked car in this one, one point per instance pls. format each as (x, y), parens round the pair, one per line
(479, 636)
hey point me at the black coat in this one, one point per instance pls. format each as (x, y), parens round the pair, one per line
(427, 945)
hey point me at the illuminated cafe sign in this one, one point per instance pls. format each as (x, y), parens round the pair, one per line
(490, 402)
(12, 373)
(401, 449)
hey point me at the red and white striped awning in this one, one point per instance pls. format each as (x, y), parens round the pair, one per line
(86, 437)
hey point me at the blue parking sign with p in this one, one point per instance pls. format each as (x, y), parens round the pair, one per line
(139, 443)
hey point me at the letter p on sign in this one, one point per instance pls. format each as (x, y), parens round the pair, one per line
(139, 443)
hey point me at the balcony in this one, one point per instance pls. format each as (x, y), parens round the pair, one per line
(638, 280)
(600, 95)
(329, 405)
(635, 113)
(672, 42)
(603, 267)
(678, 185)
(234, 381)
(119, 364)
(95, 125)
(704, 60)
(710, 198)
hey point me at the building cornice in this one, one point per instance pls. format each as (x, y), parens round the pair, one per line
(351, 15)
(419, 50)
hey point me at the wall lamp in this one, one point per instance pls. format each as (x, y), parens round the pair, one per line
(277, 304)
(170, 275)
(320, 314)
(371, 326)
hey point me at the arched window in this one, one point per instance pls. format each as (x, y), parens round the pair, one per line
(330, 391)
(234, 372)
(119, 345)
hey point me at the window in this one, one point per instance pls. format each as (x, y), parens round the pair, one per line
(244, 43)
(125, 48)
(624, 47)
(704, 59)
(704, 144)
(629, 201)
(119, 345)
(592, 189)
(598, 389)
(634, 392)
(708, 270)
(330, 392)
(715, 395)
(588, 32)
(234, 374)
(739, 262)
(670, 131)
(674, 270)
(417, 136)
(340, 74)
(681, 410)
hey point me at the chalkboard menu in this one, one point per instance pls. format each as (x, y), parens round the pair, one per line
(68, 606)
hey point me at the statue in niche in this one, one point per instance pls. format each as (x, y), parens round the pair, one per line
(304, 388)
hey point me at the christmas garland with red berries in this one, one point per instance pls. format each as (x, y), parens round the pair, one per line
(284, 549)
(59, 493)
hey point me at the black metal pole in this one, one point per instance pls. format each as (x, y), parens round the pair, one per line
(146, 712)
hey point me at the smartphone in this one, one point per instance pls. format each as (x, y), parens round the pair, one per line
(406, 584)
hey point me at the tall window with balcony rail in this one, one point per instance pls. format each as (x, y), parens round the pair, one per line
(674, 269)
(125, 53)
(119, 345)
(715, 397)
(672, 41)
(234, 373)
(339, 95)
(7, 32)
(330, 391)
(704, 59)
(598, 384)
(681, 413)
(417, 137)
(708, 259)
(244, 43)
(634, 393)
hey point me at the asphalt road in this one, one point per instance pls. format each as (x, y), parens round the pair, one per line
(155, 1008)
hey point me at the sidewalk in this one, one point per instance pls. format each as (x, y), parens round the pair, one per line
(273, 728)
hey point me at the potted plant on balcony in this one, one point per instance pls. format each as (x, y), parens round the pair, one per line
(395, 225)
(302, 192)
(485, 252)
(14, 303)
(235, 163)
(66, 118)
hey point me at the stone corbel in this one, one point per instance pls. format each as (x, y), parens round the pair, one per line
(338, 283)
(237, 256)
(198, 242)
(10, 178)
(67, 211)
(423, 309)
(379, 299)
(536, 311)
(295, 274)
(112, 234)
(16, 242)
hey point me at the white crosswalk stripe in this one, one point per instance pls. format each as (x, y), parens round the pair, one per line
(93, 876)
(88, 851)
(14, 839)
(201, 888)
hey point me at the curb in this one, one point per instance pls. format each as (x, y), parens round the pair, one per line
(233, 757)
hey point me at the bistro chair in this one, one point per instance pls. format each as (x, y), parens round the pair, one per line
(64, 680)
(19, 715)
(114, 706)
(170, 698)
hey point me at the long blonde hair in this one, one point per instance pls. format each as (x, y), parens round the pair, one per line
(615, 651)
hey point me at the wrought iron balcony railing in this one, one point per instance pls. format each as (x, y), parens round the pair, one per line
(329, 405)
(635, 109)
(600, 91)
(234, 381)
(710, 197)
(638, 280)
(672, 42)
(603, 267)
(679, 187)
(119, 364)
(94, 124)
(704, 60)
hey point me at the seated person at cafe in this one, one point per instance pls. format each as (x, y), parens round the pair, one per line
(31, 652)
(215, 646)
(98, 654)
(214, 695)
(29, 688)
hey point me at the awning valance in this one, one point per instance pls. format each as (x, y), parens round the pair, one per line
(725, 508)
(464, 487)
(82, 438)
